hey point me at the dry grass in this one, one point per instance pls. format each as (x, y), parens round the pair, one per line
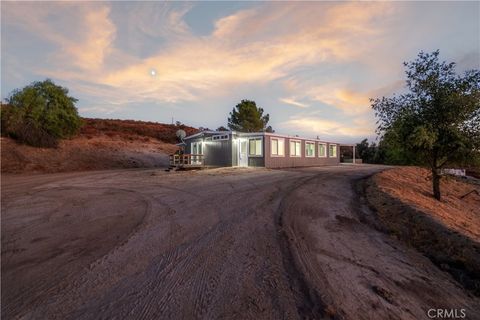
(413, 186)
(132, 130)
(447, 231)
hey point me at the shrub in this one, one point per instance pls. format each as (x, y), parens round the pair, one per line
(40, 114)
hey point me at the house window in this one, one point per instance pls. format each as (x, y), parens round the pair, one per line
(220, 137)
(277, 147)
(309, 149)
(322, 150)
(197, 152)
(255, 147)
(332, 150)
(295, 148)
(197, 148)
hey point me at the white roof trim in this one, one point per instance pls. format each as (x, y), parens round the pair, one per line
(297, 138)
(207, 132)
(193, 135)
(272, 134)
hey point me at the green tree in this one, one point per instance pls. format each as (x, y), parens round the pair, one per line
(437, 121)
(369, 152)
(392, 149)
(40, 114)
(247, 117)
(363, 151)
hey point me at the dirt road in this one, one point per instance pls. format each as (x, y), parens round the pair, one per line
(216, 244)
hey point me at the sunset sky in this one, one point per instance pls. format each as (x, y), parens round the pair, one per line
(311, 65)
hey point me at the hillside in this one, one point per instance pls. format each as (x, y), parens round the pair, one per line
(131, 129)
(447, 231)
(101, 144)
(458, 208)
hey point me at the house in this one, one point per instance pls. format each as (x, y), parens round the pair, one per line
(258, 149)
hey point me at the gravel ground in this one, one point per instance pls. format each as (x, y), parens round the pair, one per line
(213, 244)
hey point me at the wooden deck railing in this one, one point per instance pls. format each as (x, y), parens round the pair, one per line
(186, 159)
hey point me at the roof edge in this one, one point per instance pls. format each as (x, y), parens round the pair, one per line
(260, 133)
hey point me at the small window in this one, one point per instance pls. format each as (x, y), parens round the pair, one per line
(220, 137)
(332, 150)
(277, 147)
(255, 147)
(309, 149)
(295, 148)
(322, 150)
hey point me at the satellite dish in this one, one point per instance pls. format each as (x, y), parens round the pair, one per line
(181, 134)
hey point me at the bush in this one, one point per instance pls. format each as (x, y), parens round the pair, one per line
(40, 114)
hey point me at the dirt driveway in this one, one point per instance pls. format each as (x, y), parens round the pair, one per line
(216, 244)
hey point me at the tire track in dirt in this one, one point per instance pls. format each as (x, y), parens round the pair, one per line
(13, 303)
(358, 272)
(220, 245)
(309, 303)
(195, 255)
(143, 287)
(216, 243)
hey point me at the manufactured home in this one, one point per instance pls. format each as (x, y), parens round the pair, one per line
(258, 149)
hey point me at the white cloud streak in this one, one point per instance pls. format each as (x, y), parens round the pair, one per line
(293, 102)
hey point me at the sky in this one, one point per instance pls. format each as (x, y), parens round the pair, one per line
(313, 66)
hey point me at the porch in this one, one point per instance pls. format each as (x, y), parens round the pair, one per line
(187, 161)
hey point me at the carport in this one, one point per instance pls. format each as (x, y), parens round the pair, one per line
(350, 148)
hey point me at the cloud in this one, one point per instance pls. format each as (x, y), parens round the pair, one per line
(316, 56)
(161, 20)
(255, 46)
(292, 102)
(341, 95)
(387, 90)
(347, 100)
(197, 67)
(103, 109)
(315, 125)
(90, 52)
(234, 25)
(148, 25)
(82, 33)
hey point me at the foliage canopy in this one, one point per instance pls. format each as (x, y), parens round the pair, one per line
(437, 122)
(40, 114)
(247, 117)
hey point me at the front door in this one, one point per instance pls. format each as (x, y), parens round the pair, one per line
(242, 153)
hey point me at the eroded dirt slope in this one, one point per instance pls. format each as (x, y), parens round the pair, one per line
(100, 144)
(83, 153)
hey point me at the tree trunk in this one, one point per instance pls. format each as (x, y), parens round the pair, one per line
(436, 184)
